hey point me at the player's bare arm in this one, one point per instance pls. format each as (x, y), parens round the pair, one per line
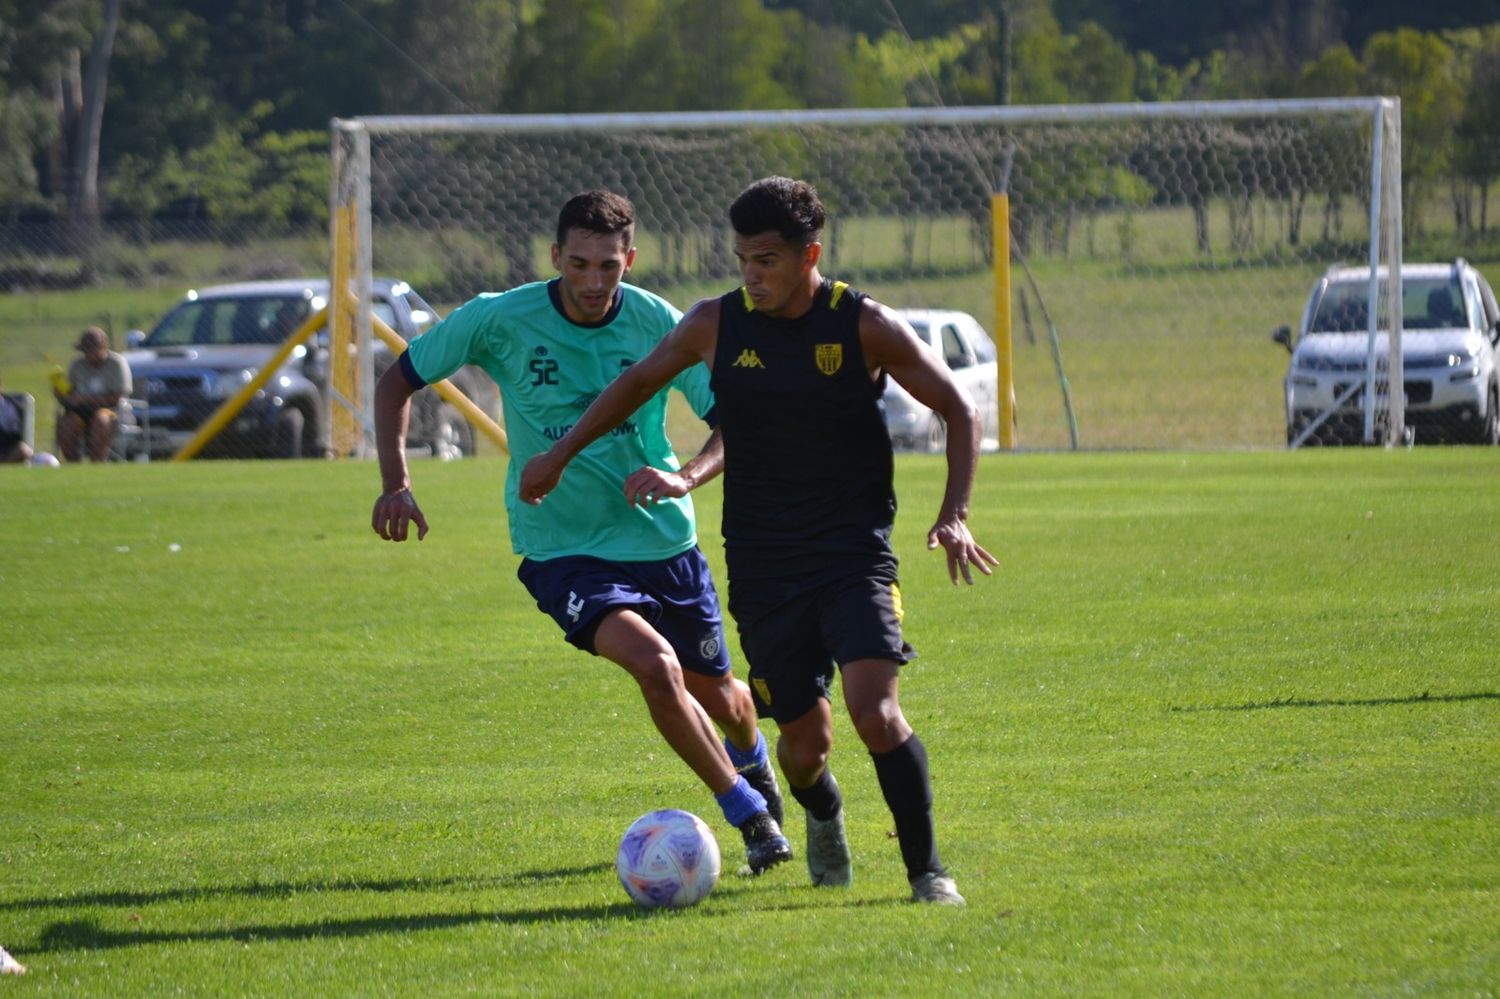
(396, 509)
(691, 341)
(650, 485)
(891, 345)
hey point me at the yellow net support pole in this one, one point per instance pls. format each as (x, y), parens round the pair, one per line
(343, 375)
(1004, 359)
(231, 407)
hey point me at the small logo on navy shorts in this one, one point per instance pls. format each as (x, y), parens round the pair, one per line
(709, 647)
(575, 606)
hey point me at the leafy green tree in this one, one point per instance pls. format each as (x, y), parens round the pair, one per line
(1037, 51)
(1157, 81)
(571, 58)
(907, 72)
(1418, 68)
(256, 181)
(453, 57)
(1477, 140)
(60, 52)
(1336, 72)
(1095, 68)
(26, 125)
(732, 54)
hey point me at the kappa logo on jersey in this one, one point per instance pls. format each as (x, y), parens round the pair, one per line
(747, 359)
(830, 357)
(575, 605)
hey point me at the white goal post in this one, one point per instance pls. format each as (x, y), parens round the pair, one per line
(1146, 251)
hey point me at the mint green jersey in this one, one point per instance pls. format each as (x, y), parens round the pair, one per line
(549, 370)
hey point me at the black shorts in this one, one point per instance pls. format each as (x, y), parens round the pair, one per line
(675, 595)
(793, 649)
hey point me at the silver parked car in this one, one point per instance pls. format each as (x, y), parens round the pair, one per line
(209, 345)
(967, 349)
(1449, 332)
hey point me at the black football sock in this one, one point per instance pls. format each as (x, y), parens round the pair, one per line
(822, 800)
(907, 788)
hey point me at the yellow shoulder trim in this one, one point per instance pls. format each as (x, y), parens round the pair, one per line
(839, 287)
(749, 303)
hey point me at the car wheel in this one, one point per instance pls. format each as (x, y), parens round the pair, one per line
(312, 438)
(452, 437)
(1489, 430)
(290, 426)
(936, 439)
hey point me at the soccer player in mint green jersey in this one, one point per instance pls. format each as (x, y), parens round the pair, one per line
(614, 559)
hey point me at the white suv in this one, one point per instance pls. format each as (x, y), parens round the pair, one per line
(1449, 331)
(962, 343)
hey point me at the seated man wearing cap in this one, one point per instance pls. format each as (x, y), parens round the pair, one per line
(100, 385)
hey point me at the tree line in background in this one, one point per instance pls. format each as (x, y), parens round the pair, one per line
(148, 112)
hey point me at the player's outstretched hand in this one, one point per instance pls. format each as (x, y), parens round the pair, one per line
(393, 514)
(650, 485)
(964, 553)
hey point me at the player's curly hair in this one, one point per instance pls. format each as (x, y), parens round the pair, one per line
(782, 205)
(597, 211)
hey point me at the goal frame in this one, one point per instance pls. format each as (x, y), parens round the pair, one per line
(351, 230)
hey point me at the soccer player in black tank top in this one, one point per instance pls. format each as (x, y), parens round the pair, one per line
(812, 578)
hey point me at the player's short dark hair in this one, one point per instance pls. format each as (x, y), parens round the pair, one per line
(598, 211)
(781, 205)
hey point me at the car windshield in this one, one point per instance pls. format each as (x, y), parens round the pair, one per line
(259, 319)
(1426, 304)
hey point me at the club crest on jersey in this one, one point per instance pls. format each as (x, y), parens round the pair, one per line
(761, 688)
(747, 359)
(830, 357)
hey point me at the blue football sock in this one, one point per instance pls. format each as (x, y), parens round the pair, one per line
(741, 802)
(746, 759)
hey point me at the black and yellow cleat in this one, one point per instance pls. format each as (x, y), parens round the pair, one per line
(765, 846)
(762, 777)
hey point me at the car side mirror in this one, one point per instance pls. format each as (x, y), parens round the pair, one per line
(134, 338)
(1283, 336)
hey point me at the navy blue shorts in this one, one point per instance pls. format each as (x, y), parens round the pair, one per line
(675, 595)
(793, 649)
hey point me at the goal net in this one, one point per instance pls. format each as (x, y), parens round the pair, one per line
(1149, 251)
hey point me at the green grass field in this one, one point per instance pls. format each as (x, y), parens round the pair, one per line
(1222, 725)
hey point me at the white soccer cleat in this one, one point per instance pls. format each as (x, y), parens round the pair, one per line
(828, 852)
(937, 889)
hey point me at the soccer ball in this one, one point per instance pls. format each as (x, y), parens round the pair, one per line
(668, 858)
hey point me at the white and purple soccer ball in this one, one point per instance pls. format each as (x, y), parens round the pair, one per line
(668, 859)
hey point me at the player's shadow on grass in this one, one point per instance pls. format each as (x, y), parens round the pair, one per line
(1372, 702)
(259, 890)
(88, 935)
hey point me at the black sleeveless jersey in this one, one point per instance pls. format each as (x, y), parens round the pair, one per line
(808, 467)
